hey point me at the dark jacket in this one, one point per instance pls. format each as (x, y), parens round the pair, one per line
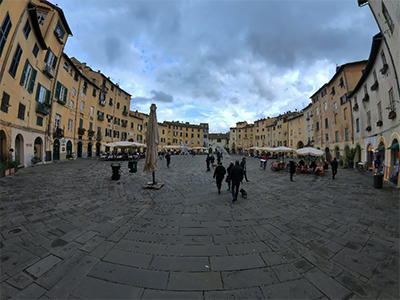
(229, 169)
(167, 157)
(208, 160)
(236, 174)
(292, 167)
(219, 172)
(334, 164)
(243, 164)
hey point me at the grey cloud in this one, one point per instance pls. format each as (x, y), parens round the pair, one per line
(161, 96)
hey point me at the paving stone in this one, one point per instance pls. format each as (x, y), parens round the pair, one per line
(130, 276)
(192, 281)
(7, 291)
(20, 280)
(101, 250)
(247, 248)
(43, 265)
(127, 258)
(327, 285)
(92, 244)
(85, 237)
(251, 293)
(173, 295)
(248, 278)
(237, 262)
(198, 250)
(163, 263)
(299, 289)
(141, 247)
(92, 288)
(272, 259)
(33, 291)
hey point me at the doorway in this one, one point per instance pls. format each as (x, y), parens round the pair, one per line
(56, 150)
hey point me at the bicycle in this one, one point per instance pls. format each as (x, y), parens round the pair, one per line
(362, 167)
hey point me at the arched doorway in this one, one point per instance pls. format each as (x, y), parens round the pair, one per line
(370, 155)
(3, 142)
(90, 150)
(394, 156)
(328, 155)
(56, 150)
(357, 157)
(345, 155)
(19, 149)
(80, 145)
(98, 145)
(300, 145)
(38, 148)
(380, 157)
(69, 149)
(337, 152)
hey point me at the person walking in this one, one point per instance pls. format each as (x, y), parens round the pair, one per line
(228, 177)
(292, 169)
(208, 161)
(243, 165)
(219, 174)
(168, 158)
(236, 177)
(265, 158)
(334, 165)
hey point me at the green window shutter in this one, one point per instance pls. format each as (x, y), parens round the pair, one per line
(54, 62)
(38, 91)
(32, 83)
(47, 100)
(58, 90)
(24, 73)
(65, 95)
(47, 55)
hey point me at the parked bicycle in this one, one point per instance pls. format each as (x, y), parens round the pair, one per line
(35, 160)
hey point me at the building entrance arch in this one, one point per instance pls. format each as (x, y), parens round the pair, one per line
(300, 145)
(80, 145)
(90, 150)
(19, 149)
(69, 149)
(98, 145)
(56, 150)
(38, 148)
(3, 142)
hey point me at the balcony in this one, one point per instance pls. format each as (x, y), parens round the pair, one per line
(58, 133)
(42, 109)
(49, 71)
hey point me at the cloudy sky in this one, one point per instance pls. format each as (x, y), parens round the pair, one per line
(218, 61)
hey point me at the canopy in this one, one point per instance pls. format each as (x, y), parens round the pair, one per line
(125, 144)
(310, 151)
(282, 149)
(203, 148)
(394, 146)
(172, 147)
(380, 148)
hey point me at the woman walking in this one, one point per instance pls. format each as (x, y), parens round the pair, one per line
(219, 174)
(228, 177)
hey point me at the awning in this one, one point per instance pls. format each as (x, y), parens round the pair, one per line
(380, 148)
(394, 146)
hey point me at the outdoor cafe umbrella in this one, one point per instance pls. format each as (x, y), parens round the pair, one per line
(283, 149)
(310, 151)
(152, 140)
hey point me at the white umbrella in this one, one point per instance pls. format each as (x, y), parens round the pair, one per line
(111, 145)
(173, 147)
(283, 149)
(152, 139)
(310, 151)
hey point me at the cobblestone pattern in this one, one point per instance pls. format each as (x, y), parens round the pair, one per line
(69, 231)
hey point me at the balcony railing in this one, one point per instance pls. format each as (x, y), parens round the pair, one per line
(49, 71)
(42, 109)
(58, 133)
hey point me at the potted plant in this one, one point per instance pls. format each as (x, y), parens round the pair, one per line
(379, 123)
(350, 157)
(384, 68)
(3, 168)
(368, 128)
(392, 114)
(91, 133)
(355, 107)
(374, 86)
(81, 131)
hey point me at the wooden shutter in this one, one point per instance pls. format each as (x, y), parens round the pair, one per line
(65, 95)
(47, 55)
(5, 102)
(58, 86)
(54, 62)
(47, 100)
(38, 92)
(32, 82)
(24, 73)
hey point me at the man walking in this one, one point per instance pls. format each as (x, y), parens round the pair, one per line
(243, 165)
(334, 165)
(236, 177)
(208, 161)
(219, 173)
(168, 158)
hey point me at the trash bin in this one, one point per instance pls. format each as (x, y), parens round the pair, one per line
(132, 165)
(116, 171)
(378, 180)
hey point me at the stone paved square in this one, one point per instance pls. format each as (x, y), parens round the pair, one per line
(69, 231)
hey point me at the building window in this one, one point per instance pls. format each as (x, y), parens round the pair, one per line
(82, 105)
(42, 94)
(15, 61)
(336, 136)
(316, 111)
(379, 105)
(327, 137)
(346, 131)
(358, 125)
(51, 59)
(73, 91)
(41, 17)
(21, 111)
(316, 126)
(388, 19)
(369, 118)
(5, 102)
(28, 77)
(325, 105)
(326, 122)
(35, 50)
(91, 111)
(111, 101)
(343, 99)
(133, 125)
(299, 130)
(70, 125)
(80, 123)
(71, 104)
(140, 127)
(335, 118)
(61, 93)
(27, 29)
(335, 105)
(4, 31)
(333, 91)
(391, 99)
(117, 105)
(345, 113)
(94, 93)
(57, 121)
(60, 31)
(39, 121)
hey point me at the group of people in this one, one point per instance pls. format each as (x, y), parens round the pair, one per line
(292, 167)
(235, 174)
